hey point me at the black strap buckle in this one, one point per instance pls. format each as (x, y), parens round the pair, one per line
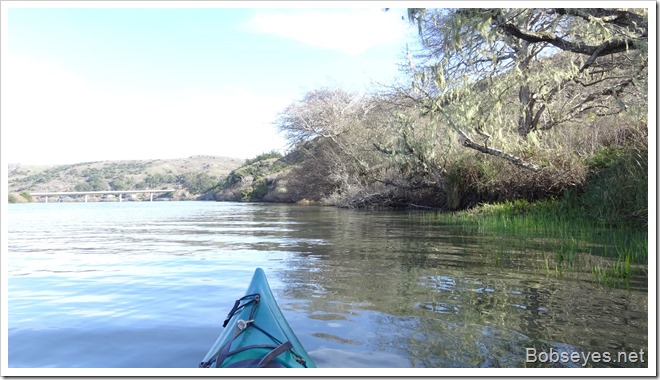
(237, 306)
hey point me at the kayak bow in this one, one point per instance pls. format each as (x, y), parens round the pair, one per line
(256, 334)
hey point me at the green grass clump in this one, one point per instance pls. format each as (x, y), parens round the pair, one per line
(524, 217)
(574, 242)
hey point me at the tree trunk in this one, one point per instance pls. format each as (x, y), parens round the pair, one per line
(525, 95)
(526, 118)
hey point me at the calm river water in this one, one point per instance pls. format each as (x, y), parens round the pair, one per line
(140, 284)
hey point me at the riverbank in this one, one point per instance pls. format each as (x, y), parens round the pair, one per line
(614, 254)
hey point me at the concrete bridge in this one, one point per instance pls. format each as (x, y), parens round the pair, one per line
(151, 193)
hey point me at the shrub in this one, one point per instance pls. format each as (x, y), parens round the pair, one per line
(264, 156)
(617, 191)
(27, 196)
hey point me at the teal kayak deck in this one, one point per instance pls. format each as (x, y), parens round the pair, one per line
(256, 334)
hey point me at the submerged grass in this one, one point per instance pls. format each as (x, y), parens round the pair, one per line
(612, 253)
(598, 228)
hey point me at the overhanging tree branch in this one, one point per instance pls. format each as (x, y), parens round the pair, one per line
(607, 47)
(468, 142)
(499, 153)
(617, 17)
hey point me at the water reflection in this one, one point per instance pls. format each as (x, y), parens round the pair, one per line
(360, 288)
(438, 299)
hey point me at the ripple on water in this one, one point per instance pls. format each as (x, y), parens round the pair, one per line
(360, 289)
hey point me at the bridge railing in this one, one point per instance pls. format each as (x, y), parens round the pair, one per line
(151, 193)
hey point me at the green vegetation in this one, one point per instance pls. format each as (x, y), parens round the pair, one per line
(19, 198)
(532, 121)
(254, 180)
(611, 249)
(502, 104)
(616, 196)
(198, 183)
(26, 196)
(599, 228)
(263, 156)
(617, 191)
(255, 193)
(193, 176)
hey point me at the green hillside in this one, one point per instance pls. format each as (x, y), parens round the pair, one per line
(193, 177)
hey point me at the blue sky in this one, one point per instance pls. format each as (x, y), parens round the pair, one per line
(131, 80)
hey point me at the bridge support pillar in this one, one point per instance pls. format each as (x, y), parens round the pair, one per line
(85, 198)
(151, 197)
(119, 198)
(46, 199)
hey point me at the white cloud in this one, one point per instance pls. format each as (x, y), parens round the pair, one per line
(52, 115)
(351, 31)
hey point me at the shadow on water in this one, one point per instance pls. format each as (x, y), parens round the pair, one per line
(439, 296)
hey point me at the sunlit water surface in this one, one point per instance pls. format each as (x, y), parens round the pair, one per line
(148, 284)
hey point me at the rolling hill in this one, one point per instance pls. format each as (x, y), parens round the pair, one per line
(193, 177)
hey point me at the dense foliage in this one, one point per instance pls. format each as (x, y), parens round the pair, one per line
(501, 104)
(263, 156)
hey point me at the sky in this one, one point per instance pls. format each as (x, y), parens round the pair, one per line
(90, 81)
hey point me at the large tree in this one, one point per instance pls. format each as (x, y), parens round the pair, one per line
(330, 128)
(561, 64)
